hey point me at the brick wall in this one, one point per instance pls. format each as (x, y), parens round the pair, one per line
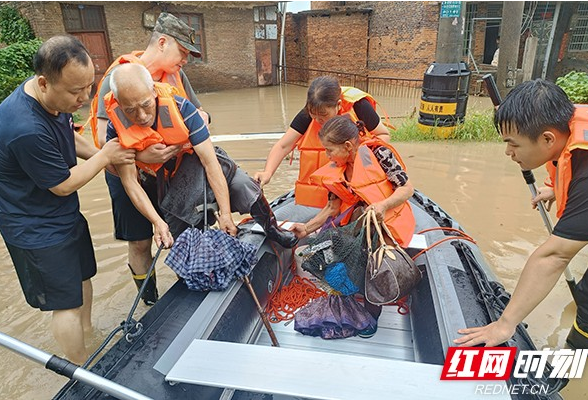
(402, 38)
(337, 41)
(228, 36)
(386, 39)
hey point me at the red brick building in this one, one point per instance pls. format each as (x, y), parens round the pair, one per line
(399, 39)
(238, 40)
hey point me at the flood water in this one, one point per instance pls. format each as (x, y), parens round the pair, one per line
(474, 182)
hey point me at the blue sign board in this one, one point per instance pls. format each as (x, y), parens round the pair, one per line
(450, 9)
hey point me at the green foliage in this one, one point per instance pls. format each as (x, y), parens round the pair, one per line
(575, 84)
(477, 127)
(16, 64)
(14, 27)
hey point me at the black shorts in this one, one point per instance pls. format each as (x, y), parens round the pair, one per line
(129, 223)
(51, 277)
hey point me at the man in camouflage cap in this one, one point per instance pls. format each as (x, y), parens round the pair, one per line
(171, 43)
(179, 30)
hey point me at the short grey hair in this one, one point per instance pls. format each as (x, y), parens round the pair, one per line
(142, 74)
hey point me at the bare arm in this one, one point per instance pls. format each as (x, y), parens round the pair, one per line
(330, 210)
(111, 153)
(538, 278)
(278, 152)
(401, 194)
(129, 180)
(218, 184)
(84, 149)
(382, 132)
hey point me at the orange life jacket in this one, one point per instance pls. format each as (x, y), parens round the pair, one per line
(312, 152)
(370, 184)
(561, 175)
(171, 129)
(173, 79)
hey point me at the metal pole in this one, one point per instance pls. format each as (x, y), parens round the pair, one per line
(70, 370)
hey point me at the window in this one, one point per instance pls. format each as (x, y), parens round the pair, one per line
(195, 21)
(266, 25)
(579, 37)
(83, 18)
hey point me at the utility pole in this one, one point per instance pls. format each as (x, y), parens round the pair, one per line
(451, 30)
(510, 38)
(561, 24)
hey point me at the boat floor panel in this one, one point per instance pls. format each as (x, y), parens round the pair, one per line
(393, 340)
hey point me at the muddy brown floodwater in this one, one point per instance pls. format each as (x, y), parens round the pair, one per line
(474, 182)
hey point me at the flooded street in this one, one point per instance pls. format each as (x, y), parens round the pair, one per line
(474, 182)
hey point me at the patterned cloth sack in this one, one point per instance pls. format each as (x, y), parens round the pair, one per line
(210, 260)
(333, 317)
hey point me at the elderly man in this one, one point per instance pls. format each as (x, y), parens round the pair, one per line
(171, 43)
(142, 113)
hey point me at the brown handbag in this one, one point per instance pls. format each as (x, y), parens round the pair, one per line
(390, 273)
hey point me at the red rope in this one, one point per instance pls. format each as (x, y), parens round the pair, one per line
(283, 303)
(464, 236)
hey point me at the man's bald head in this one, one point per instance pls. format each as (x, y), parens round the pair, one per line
(130, 76)
(133, 88)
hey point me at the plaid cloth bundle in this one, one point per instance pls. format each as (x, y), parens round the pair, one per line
(210, 260)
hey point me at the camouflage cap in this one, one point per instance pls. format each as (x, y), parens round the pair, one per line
(179, 30)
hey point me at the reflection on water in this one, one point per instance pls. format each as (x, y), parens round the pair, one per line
(475, 183)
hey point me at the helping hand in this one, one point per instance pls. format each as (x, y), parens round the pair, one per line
(379, 209)
(299, 230)
(262, 177)
(491, 335)
(158, 153)
(117, 154)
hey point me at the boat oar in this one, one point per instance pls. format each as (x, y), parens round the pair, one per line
(262, 313)
(70, 370)
(247, 282)
(530, 180)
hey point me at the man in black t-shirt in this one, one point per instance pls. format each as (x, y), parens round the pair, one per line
(40, 220)
(541, 126)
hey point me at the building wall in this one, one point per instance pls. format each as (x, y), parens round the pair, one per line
(385, 39)
(402, 38)
(228, 36)
(337, 42)
(296, 44)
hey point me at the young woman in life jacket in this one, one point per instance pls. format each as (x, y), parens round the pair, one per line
(325, 100)
(345, 177)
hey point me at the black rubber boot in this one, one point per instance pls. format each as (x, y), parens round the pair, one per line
(576, 339)
(264, 216)
(150, 295)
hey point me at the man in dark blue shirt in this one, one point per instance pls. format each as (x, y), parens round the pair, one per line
(40, 220)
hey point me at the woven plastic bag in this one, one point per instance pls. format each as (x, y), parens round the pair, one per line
(338, 244)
